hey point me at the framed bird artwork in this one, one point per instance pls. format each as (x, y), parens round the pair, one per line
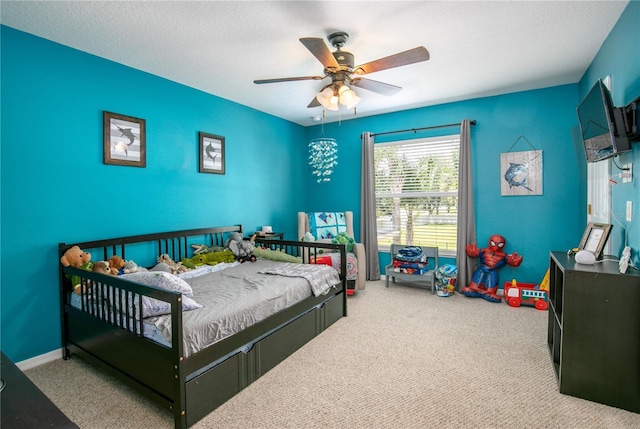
(124, 140)
(211, 153)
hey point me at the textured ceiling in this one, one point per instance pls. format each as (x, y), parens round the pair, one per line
(477, 48)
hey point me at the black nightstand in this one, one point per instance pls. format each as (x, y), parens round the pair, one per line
(270, 235)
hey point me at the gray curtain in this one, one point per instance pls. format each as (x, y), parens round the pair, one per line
(368, 226)
(466, 208)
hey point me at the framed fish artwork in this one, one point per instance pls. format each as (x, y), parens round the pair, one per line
(211, 149)
(124, 140)
(521, 173)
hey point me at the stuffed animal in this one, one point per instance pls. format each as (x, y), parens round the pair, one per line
(203, 248)
(343, 238)
(175, 267)
(211, 258)
(131, 267)
(102, 267)
(241, 248)
(76, 257)
(116, 263)
(308, 237)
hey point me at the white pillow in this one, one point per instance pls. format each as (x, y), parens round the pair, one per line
(153, 307)
(162, 280)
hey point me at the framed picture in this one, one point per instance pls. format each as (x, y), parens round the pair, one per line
(521, 173)
(211, 153)
(124, 140)
(595, 237)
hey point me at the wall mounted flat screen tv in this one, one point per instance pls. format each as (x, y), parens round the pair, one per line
(602, 125)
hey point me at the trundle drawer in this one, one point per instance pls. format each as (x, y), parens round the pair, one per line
(276, 347)
(333, 310)
(215, 386)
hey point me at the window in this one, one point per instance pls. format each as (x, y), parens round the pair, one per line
(417, 192)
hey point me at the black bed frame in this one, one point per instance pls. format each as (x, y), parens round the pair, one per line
(189, 387)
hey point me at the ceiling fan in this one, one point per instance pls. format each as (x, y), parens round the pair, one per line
(339, 65)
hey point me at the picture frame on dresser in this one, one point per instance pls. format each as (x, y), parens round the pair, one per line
(595, 237)
(124, 140)
(211, 149)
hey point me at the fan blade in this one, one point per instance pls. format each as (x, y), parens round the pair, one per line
(320, 50)
(288, 79)
(375, 86)
(314, 103)
(411, 56)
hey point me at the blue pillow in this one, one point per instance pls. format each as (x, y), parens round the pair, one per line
(326, 225)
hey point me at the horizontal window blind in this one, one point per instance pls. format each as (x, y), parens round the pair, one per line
(417, 192)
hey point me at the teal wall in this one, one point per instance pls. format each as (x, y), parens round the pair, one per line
(56, 188)
(532, 225)
(52, 101)
(619, 57)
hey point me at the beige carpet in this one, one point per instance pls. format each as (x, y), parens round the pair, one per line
(403, 358)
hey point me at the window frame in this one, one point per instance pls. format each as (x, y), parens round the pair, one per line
(451, 139)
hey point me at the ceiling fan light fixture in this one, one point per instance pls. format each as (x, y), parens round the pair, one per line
(324, 96)
(328, 98)
(333, 103)
(348, 97)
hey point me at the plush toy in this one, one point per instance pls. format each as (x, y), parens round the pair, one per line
(102, 267)
(308, 237)
(131, 267)
(116, 264)
(76, 257)
(276, 255)
(203, 248)
(343, 238)
(211, 258)
(174, 267)
(241, 248)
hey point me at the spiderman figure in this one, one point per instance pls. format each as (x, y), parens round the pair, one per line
(484, 283)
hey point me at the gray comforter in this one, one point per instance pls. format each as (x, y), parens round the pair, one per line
(236, 298)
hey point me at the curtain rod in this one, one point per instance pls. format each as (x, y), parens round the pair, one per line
(472, 122)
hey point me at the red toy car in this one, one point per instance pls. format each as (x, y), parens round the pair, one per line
(517, 294)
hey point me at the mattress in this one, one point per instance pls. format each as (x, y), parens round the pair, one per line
(233, 297)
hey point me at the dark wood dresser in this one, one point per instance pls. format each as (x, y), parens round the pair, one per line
(23, 405)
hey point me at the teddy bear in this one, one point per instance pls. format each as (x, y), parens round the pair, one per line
(76, 257)
(116, 264)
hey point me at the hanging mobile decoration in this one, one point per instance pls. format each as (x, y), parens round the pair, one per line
(323, 156)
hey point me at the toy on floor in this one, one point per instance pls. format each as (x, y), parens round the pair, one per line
(517, 294)
(484, 283)
(446, 280)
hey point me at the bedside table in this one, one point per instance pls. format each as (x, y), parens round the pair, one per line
(270, 235)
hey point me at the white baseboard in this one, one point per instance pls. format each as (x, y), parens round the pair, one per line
(39, 360)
